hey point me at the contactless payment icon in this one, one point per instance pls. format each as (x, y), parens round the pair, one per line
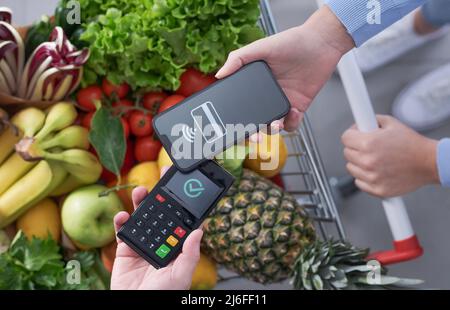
(193, 188)
(208, 122)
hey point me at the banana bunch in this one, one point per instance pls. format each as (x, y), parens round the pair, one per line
(4, 120)
(46, 156)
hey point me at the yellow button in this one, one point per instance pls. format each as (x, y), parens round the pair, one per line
(172, 241)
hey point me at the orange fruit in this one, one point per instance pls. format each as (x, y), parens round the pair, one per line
(268, 156)
(144, 174)
(41, 220)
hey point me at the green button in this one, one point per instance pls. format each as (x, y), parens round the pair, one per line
(162, 251)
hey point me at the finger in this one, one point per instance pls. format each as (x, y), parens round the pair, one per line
(256, 138)
(185, 264)
(293, 119)
(353, 139)
(241, 57)
(119, 220)
(354, 157)
(138, 195)
(276, 127)
(164, 169)
(233, 63)
(358, 173)
(365, 187)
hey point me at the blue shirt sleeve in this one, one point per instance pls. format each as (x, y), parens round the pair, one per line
(443, 161)
(356, 14)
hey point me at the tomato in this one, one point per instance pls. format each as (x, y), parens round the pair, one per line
(122, 106)
(153, 99)
(126, 127)
(121, 90)
(278, 180)
(193, 81)
(170, 102)
(87, 119)
(141, 124)
(87, 96)
(128, 163)
(147, 149)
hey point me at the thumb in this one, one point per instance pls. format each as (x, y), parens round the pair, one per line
(240, 57)
(185, 264)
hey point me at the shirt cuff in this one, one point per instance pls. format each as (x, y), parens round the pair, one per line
(443, 161)
(354, 15)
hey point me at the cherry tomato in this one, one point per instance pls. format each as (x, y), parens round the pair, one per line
(122, 106)
(128, 163)
(121, 90)
(147, 149)
(87, 119)
(141, 124)
(87, 96)
(126, 128)
(170, 102)
(153, 99)
(193, 81)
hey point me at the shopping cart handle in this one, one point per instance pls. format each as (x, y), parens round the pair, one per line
(406, 244)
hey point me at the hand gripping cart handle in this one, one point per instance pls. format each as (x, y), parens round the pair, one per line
(406, 243)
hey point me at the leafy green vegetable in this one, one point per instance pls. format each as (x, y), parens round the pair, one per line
(38, 264)
(108, 139)
(149, 43)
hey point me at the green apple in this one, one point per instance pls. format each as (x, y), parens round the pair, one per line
(88, 219)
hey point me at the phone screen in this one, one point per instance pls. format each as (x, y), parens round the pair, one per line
(194, 189)
(218, 117)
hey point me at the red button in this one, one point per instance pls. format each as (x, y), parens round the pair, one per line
(160, 198)
(180, 232)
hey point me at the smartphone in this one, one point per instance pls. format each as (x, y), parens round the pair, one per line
(221, 115)
(176, 206)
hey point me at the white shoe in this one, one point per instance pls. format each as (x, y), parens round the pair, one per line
(425, 104)
(392, 43)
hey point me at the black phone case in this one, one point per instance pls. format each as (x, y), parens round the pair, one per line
(250, 96)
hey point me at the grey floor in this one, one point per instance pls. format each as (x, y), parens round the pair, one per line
(362, 215)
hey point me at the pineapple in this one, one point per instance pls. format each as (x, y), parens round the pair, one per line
(262, 233)
(257, 230)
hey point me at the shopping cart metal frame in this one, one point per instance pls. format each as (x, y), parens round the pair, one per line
(314, 190)
(304, 176)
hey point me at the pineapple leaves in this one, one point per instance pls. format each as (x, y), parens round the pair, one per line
(341, 266)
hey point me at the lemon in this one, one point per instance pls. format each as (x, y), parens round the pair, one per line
(268, 156)
(40, 220)
(144, 174)
(205, 274)
(164, 159)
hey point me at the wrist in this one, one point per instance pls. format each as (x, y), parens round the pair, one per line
(329, 29)
(429, 161)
